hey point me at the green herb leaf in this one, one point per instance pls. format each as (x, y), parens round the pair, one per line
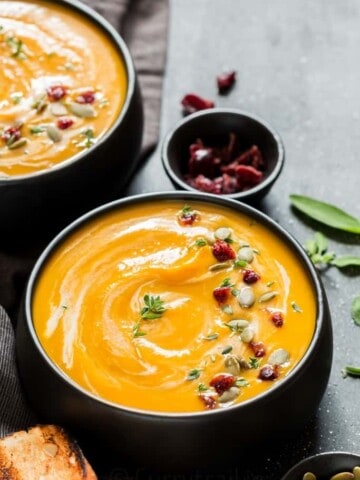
(16, 46)
(153, 308)
(16, 97)
(201, 242)
(326, 213)
(240, 263)
(202, 387)
(226, 283)
(355, 310)
(193, 374)
(352, 370)
(136, 330)
(346, 261)
(254, 362)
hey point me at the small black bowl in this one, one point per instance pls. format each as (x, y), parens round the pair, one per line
(213, 126)
(324, 465)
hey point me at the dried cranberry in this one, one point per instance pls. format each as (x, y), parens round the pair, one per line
(229, 184)
(252, 157)
(203, 161)
(222, 251)
(192, 103)
(269, 372)
(249, 277)
(221, 294)
(204, 184)
(86, 97)
(64, 123)
(277, 319)
(208, 401)
(225, 81)
(247, 176)
(258, 348)
(56, 92)
(222, 382)
(11, 134)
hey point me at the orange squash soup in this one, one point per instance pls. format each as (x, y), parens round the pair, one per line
(174, 308)
(63, 84)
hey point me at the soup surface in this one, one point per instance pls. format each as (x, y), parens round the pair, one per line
(63, 84)
(174, 308)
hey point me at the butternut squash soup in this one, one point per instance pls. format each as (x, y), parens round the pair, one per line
(63, 84)
(174, 308)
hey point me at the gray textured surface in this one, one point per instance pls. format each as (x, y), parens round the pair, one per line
(298, 68)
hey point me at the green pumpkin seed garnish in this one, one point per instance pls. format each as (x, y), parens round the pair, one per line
(296, 307)
(265, 297)
(53, 133)
(18, 144)
(82, 110)
(220, 266)
(193, 374)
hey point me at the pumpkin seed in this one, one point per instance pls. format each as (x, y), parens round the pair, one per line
(243, 363)
(223, 233)
(279, 357)
(265, 297)
(82, 110)
(237, 325)
(232, 365)
(246, 297)
(356, 472)
(247, 335)
(220, 266)
(246, 254)
(229, 395)
(343, 476)
(58, 109)
(309, 476)
(19, 143)
(53, 133)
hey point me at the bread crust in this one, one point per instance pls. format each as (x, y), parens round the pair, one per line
(44, 452)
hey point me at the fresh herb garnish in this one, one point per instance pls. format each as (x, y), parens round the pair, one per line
(227, 283)
(153, 307)
(326, 213)
(238, 263)
(193, 374)
(201, 242)
(316, 248)
(64, 307)
(346, 261)
(254, 362)
(136, 330)
(17, 47)
(202, 387)
(16, 97)
(355, 310)
(296, 307)
(89, 138)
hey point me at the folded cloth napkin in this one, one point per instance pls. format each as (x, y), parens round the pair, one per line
(143, 25)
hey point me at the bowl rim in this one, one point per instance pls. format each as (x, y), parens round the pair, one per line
(213, 112)
(114, 37)
(325, 456)
(243, 208)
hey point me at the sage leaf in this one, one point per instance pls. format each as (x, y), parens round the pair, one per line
(321, 242)
(346, 261)
(326, 213)
(352, 370)
(355, 310)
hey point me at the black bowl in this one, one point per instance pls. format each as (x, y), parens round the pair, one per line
(47, 200)
(188, 440)
(213, 126)
(324, 465)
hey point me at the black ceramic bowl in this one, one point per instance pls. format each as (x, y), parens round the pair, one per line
(186, 440)
(49, 199)
(324, 465)
(213, 127)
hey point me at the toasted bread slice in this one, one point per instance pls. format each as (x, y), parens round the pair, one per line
(44, 452)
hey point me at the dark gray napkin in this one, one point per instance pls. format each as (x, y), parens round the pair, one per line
(143, 25)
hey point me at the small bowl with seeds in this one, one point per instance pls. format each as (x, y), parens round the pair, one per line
(326, 466)
(71, 116)
(227, 152)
